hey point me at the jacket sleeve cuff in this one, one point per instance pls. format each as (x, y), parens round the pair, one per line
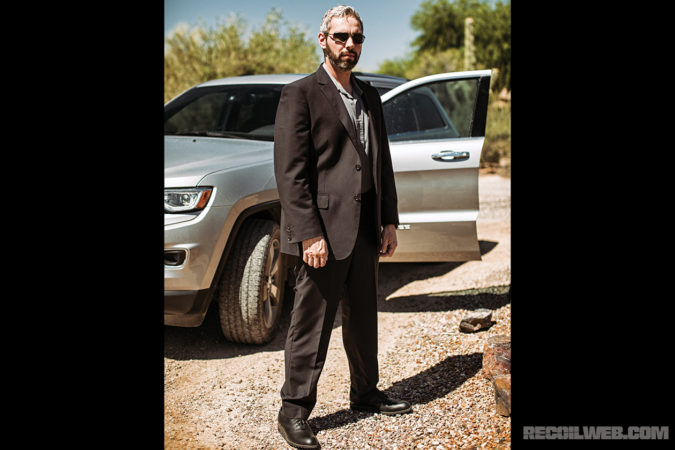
(298, 234)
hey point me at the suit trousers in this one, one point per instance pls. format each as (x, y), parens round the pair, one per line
(353, 282)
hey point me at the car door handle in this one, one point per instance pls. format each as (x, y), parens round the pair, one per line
(448, 156)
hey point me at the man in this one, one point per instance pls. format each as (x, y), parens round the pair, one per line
(339, 210)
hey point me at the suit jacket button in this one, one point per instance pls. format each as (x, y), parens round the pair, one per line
(358, 167)
(357, 197)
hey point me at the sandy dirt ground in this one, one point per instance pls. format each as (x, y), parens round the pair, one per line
(223, 395)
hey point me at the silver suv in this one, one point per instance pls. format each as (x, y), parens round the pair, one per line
(221, 222)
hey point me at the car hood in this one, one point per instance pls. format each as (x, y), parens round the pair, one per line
(188, 159)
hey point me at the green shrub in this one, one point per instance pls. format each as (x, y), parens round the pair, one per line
(196, 54)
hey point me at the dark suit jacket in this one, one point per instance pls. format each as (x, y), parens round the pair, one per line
(317, 164)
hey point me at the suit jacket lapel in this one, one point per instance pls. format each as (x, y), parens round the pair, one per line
(373, 137)
(336, 104)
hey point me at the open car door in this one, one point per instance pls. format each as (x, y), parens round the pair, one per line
(436, 129)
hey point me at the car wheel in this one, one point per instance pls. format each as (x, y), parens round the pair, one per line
(251, 290)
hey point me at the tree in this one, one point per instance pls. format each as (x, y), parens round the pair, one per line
(441, 27)
(441, 24)
(201, 53)
(271, 51)
(493, 42)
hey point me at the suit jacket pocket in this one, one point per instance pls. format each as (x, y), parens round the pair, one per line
(322, 201)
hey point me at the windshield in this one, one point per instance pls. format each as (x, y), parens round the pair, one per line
(242, 111)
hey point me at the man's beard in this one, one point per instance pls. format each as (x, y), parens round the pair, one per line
(343, 64)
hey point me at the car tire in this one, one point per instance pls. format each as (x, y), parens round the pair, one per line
(252, 288)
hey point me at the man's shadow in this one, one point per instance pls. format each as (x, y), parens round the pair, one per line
(430, 384)
(395, 275)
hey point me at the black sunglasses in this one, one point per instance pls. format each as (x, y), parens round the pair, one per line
(358, 38)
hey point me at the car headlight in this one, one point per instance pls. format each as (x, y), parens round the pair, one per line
(186, 199)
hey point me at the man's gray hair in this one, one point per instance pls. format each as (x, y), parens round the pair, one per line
(338, 11)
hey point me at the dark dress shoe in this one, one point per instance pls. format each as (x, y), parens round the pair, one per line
(297, 432)
(378, 402)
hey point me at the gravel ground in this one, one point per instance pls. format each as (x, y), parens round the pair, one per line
(223, 395)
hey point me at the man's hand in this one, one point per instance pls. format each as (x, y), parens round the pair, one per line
(389, 242)
(315, 252)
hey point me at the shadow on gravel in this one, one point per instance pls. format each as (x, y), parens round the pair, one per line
(207, 341)
(395, 275)
(430, 384)
(493, 297)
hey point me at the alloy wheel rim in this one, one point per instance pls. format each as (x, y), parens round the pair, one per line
(272, 289)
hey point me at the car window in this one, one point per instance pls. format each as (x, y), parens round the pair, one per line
(428, 115)
(399, 116)
(382, 90)
(200, 114)
(228, 111)
(438, 110)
